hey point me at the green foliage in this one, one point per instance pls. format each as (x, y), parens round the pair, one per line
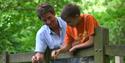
(110, 14)
(19, 23)
(17, 26)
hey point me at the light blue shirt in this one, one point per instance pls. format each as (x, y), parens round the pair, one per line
(46, 37)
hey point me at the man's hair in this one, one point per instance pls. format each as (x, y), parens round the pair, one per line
(43, 9)
(70, 10)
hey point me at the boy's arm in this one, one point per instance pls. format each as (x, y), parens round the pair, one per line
(67, 43)
(83, 45)
(65, 48)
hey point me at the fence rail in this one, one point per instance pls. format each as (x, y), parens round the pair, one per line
(101, 51)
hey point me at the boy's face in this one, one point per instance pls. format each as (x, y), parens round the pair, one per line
(72, 21)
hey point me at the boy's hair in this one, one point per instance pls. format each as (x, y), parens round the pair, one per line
(70, 10)
(43, 9)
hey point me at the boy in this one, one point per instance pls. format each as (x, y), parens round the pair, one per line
(79, 31)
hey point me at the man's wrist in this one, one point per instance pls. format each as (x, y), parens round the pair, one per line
(39, 52)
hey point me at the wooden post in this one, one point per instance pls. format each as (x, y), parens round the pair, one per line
(47, 55)
(99, 41)
(119, 59)
(106, 43)
(5, 57)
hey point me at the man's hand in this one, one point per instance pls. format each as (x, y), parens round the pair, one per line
(55, 54)
(38, 57)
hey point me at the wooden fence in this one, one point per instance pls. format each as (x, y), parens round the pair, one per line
(101, 51)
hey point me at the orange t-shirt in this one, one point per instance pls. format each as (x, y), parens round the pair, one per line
(84, 29)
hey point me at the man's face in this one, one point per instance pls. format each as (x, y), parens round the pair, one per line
(49, 19)
(72, 21)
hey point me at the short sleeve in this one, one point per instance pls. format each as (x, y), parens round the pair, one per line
(67, 38)
(91, 24)
(40, 43)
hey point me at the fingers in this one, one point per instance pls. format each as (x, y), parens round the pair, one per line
(72, 49)
(34, 59)
(55, 54)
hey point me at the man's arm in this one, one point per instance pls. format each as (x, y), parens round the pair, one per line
(40, 47)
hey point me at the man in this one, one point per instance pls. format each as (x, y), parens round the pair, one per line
(79, 31)
(51, 34)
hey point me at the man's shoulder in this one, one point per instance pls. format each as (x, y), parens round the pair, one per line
(61, 21)
(42, 30)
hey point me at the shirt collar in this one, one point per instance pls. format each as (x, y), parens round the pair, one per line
(51, 32)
